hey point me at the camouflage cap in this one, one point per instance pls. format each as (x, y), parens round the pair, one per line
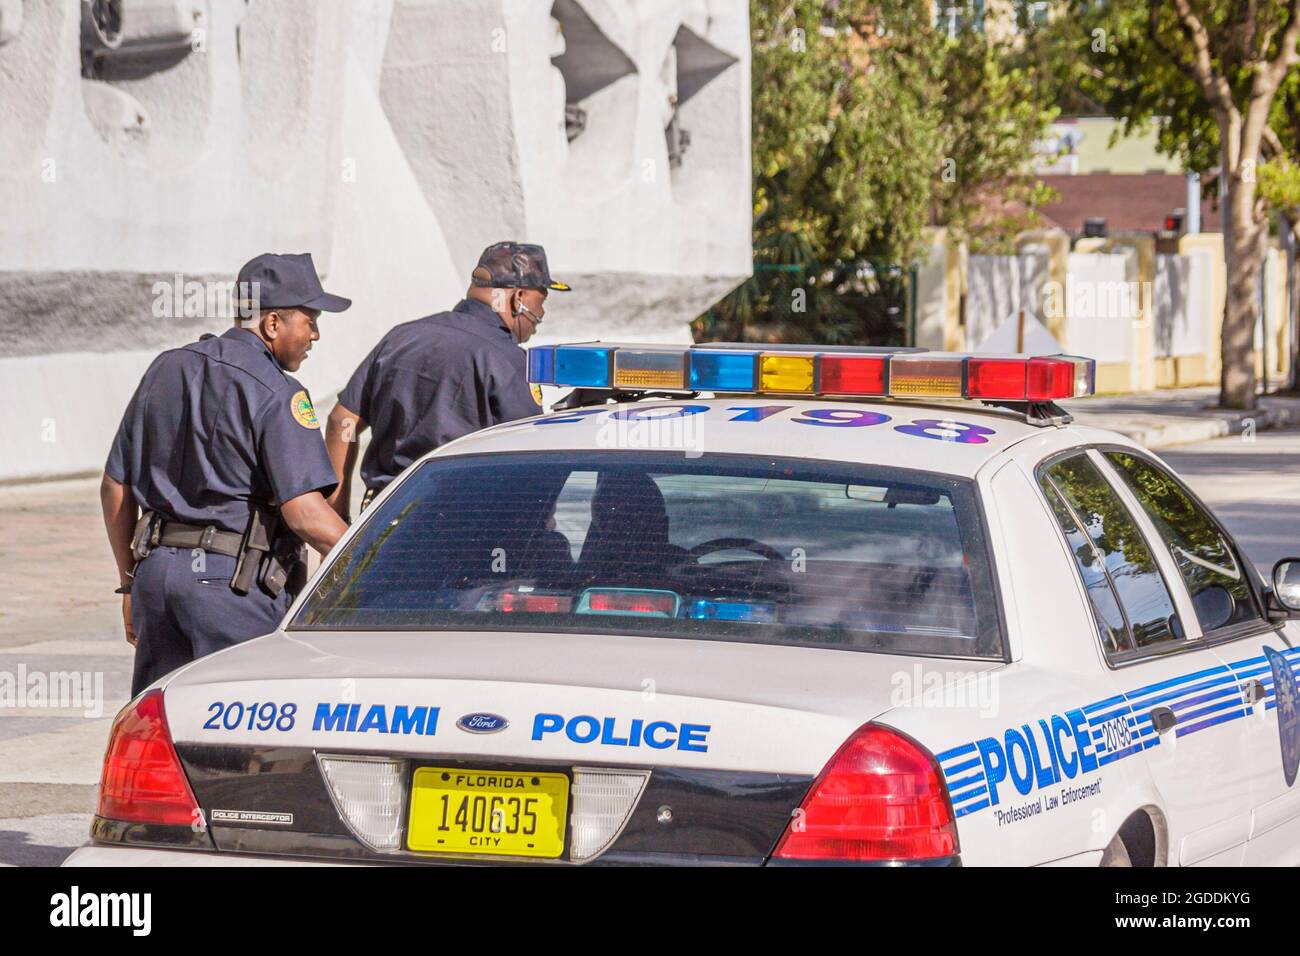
(514, 265)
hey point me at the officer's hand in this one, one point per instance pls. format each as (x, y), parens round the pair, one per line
(126, 619)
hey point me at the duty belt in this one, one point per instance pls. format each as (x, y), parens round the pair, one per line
(178, 534)
(259, 557)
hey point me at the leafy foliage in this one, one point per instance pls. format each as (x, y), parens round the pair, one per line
(868, 124)
(1216, 80)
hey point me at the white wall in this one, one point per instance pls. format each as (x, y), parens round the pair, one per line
(393, 139)
(1182, 298)
(1000, 286)
(1099, 308)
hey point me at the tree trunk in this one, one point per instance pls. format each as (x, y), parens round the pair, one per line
(1245, 260)
(1293, 315)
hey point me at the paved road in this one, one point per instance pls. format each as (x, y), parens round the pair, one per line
(59, 615)
(1253, 484)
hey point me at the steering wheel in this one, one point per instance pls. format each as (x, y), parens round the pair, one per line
(735, 544)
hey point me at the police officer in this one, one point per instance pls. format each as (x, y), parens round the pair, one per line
(220, 448)
(433, 380)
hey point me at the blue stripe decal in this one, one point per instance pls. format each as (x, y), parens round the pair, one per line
(955, 752)
(1213, 708)
(961, 767)
(981, 773)
(1172, 681)
(1202, 698)
(1108, 702)
(955, 785)
(1182, 731)
(1144, 701)
(969, 795)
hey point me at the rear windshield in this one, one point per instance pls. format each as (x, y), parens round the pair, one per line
(722, 547)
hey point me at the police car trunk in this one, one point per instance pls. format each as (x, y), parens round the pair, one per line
(561, 642)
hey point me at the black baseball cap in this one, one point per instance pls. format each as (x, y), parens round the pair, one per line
(514, 265)
(272, 281)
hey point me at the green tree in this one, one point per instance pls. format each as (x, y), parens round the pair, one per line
(1208, 73)
(994, 112)
(868, 124)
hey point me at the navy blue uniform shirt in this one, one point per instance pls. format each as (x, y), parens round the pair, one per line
(433, 380)
(214, 425)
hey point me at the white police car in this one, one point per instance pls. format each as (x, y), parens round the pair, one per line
(795, 609)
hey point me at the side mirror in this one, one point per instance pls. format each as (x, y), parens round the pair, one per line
(1286, 585)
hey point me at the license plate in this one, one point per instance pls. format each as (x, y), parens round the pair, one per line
(489, 812)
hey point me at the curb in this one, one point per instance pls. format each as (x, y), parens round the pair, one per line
(1187, 432)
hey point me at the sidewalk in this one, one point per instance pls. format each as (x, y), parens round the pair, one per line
(1179, 416)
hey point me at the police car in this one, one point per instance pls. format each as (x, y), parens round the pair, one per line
(751, 605)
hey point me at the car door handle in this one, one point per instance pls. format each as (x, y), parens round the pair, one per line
(1162, 718)
(1253, 691)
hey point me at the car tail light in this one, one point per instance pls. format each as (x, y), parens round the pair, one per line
(881, 798)
(143, 780)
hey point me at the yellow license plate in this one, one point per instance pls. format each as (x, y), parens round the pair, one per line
(491, 812)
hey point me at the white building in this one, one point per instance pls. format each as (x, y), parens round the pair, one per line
(149, 145)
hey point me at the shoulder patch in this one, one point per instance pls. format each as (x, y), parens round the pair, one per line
(303, 410)
(537, 394)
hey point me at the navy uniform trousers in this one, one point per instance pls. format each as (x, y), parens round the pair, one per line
(180, 614)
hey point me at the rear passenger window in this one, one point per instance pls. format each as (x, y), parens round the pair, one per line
(1125, 559)
(1206, 559)
(1111, 625)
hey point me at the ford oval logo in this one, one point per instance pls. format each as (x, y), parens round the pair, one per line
(482, 723)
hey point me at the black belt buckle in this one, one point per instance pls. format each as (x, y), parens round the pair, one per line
(208, 535)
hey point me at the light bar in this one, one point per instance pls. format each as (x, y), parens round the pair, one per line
(788, 374)
(921, 376)
(848, 372)
(854, 375)
(648, 368)
(719, 371)
(582, 366)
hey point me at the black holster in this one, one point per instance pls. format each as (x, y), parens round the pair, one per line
(258, 535)
(285, 568)
(145, 537)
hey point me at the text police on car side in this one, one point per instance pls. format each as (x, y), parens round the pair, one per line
(431, 381)
(220, 449)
